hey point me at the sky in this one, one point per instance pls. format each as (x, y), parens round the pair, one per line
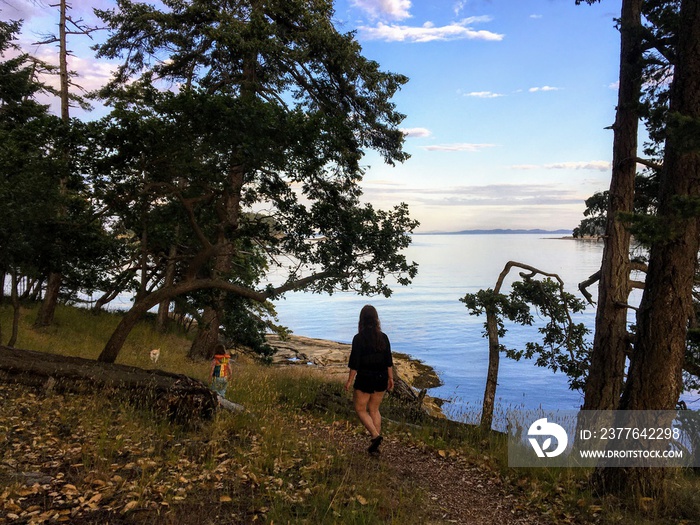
(506, 107)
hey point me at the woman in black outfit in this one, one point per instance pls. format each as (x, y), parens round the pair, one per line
(371, 369)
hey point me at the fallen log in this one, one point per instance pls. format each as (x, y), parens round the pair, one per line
(230, 406)
(179, 397)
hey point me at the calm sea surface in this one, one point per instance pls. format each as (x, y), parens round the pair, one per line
(427, 321)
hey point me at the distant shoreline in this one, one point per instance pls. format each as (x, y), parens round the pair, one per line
(500, 231)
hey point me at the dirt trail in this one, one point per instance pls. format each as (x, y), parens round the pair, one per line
(460, 492)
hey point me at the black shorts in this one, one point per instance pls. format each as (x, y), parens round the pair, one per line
(370, 382)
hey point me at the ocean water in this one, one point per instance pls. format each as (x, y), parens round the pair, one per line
(427, 321)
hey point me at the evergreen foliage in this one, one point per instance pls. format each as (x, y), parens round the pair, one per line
(563, 345)
(232, 150)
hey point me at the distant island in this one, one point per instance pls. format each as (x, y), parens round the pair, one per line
(500, 232)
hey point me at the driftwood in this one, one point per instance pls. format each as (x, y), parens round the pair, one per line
(230, 405)
(405, 392)
(179, 397)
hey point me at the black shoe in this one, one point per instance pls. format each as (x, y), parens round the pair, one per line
(374, 445)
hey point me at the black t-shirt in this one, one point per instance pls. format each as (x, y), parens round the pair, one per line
(365, 357)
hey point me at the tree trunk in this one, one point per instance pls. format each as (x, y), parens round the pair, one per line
(35, 294)
(164, 307)
(207, 336)
(655, 373)
(163, 318)
(3, 275)
(48, 305)
(53, 286)
(208, 330)
(63, 62)
(143, 277)
(492, 373)
(611, 340)
(116, 341)
(181, 398)
(489, 401)
(15, 310)
(229, 215)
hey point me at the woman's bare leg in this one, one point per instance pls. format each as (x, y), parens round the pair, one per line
(361, 400)
(375, 400)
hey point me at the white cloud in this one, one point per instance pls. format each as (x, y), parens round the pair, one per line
(95, 73)
(535, 17)
(483, 94)
(391, 9)
(449, 207)
(485, 195)
(598, 165)
(92, 73)
(386, 184)
(429, 32)
(463, 146)
(543, 88)
(459, 6)
(416, 132)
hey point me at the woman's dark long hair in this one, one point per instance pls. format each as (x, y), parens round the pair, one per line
(370, 328)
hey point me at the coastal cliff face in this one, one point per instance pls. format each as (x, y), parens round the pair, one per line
(332, 359)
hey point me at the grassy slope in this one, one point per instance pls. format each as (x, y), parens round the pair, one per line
(98, 461)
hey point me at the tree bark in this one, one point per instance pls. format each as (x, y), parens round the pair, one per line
(180, 397)
(164, 307)
(53, 287)
(667, 302)
(610, 343)
(15, 310)
(163, 318)
(120, 283)
(104, 299)
(116, 341)
(63, 61)
(207, 335)
(655, 374)
(208, 331)
(489, 400)
(48, 305)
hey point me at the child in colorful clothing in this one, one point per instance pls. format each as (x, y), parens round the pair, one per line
(220, 371)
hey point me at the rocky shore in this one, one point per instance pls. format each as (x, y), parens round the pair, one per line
(332, 358)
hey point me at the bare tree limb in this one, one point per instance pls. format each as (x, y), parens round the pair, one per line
(583, 286)
(634, 266)
(649, 164)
